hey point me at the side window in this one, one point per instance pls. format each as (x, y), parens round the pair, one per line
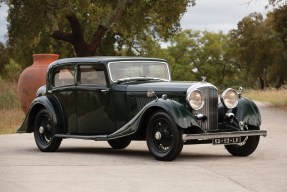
(92, 75)
(63, 76)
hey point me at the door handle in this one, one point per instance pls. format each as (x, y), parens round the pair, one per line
(105, 90)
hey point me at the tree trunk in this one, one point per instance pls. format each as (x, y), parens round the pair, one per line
(279, 82)
(76, 37)
(261, 83)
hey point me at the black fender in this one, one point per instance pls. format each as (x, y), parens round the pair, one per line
(43, 102)
(247, 112)
(181, 115)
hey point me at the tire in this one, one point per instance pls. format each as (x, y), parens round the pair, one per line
(247, 147)
(163, 137)
(119, 143)
(43, 127)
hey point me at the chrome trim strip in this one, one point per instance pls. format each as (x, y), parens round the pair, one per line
(139, 61)
(186, 137)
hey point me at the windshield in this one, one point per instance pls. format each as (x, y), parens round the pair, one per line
(134, 69)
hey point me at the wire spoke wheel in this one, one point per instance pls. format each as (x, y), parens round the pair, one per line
(162, 135)
(246, 147)
(164, 138)
(43, 135)
(45, 132)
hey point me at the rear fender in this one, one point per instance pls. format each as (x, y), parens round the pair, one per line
(43, 102)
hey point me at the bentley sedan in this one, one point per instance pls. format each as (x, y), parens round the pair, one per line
(120, 99)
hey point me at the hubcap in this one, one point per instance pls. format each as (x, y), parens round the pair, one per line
(41, 130)
(162, 136)
(157, 135)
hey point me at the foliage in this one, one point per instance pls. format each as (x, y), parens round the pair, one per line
(32, 24)
(4, 56)
(259, 52)
(197, 54)
(12, 70)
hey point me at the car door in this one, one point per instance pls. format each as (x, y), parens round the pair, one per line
(64, 89)
(94, 106)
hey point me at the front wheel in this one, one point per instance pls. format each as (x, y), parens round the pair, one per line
(43, 132)
(247, 147)
(163, 137)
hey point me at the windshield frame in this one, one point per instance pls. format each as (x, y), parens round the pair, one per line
(138, 61)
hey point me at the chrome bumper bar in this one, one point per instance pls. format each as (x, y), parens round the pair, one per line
(207, 136)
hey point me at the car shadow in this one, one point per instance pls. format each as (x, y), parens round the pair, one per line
(142, 153)
(103, 151)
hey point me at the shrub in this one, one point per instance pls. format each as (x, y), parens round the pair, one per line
(12, 70)
(8, 100)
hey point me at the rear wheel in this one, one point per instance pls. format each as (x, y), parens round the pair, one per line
(163, 137)
(43, 132)
(247, 147)
(119, 143)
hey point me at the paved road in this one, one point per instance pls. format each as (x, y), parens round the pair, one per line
(93, 166)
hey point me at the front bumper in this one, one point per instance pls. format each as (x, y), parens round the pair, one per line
(207, 136)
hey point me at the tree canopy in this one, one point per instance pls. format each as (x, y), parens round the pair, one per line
(90, 27)
(254, 54)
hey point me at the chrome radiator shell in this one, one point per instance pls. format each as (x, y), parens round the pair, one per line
(210, 107)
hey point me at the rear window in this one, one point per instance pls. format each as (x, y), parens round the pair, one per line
(63, 76)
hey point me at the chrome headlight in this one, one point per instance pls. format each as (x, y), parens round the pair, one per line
(195, 99)
(229, 98)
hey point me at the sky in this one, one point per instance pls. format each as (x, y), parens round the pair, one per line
(210, 15)
(220, 15)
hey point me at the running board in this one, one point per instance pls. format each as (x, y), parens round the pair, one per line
(87, 137)
(186, 137)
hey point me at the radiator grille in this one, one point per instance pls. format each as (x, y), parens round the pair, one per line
(210, 109)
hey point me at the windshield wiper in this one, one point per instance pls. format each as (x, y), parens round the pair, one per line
(143, 78)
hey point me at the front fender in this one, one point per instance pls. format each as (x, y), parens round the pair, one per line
(43, 102)
(179, 113)
(247, 112)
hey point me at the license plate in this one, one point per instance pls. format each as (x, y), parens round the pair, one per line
(226, 141)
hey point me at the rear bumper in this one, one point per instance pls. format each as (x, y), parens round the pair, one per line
(207, 136)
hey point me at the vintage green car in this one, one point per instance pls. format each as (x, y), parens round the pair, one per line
(119, 99)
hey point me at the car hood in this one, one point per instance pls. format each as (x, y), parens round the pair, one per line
(160, 86)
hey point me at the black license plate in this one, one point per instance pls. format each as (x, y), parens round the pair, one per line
(226, 141)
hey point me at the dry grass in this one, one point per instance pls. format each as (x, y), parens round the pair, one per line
(277, 98)
(11, 115)
(10, 120)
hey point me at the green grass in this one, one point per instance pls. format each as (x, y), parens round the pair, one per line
(277, 98)
(11, 115)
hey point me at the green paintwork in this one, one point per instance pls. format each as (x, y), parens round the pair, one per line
(180, 114)
(248, 112)
(52, 106)
(119, 110)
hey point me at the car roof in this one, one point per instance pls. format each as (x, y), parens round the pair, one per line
(103, 59)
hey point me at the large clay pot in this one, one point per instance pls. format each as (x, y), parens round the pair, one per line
(33, 77)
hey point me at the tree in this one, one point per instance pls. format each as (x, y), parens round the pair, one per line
(277, 19)
(4, 56)
(259, 51)
(250, 54)
(197, 54)
(85, 25)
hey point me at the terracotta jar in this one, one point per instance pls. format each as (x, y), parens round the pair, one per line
(33, 77)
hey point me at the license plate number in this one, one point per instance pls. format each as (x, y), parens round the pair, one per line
(226, 141)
